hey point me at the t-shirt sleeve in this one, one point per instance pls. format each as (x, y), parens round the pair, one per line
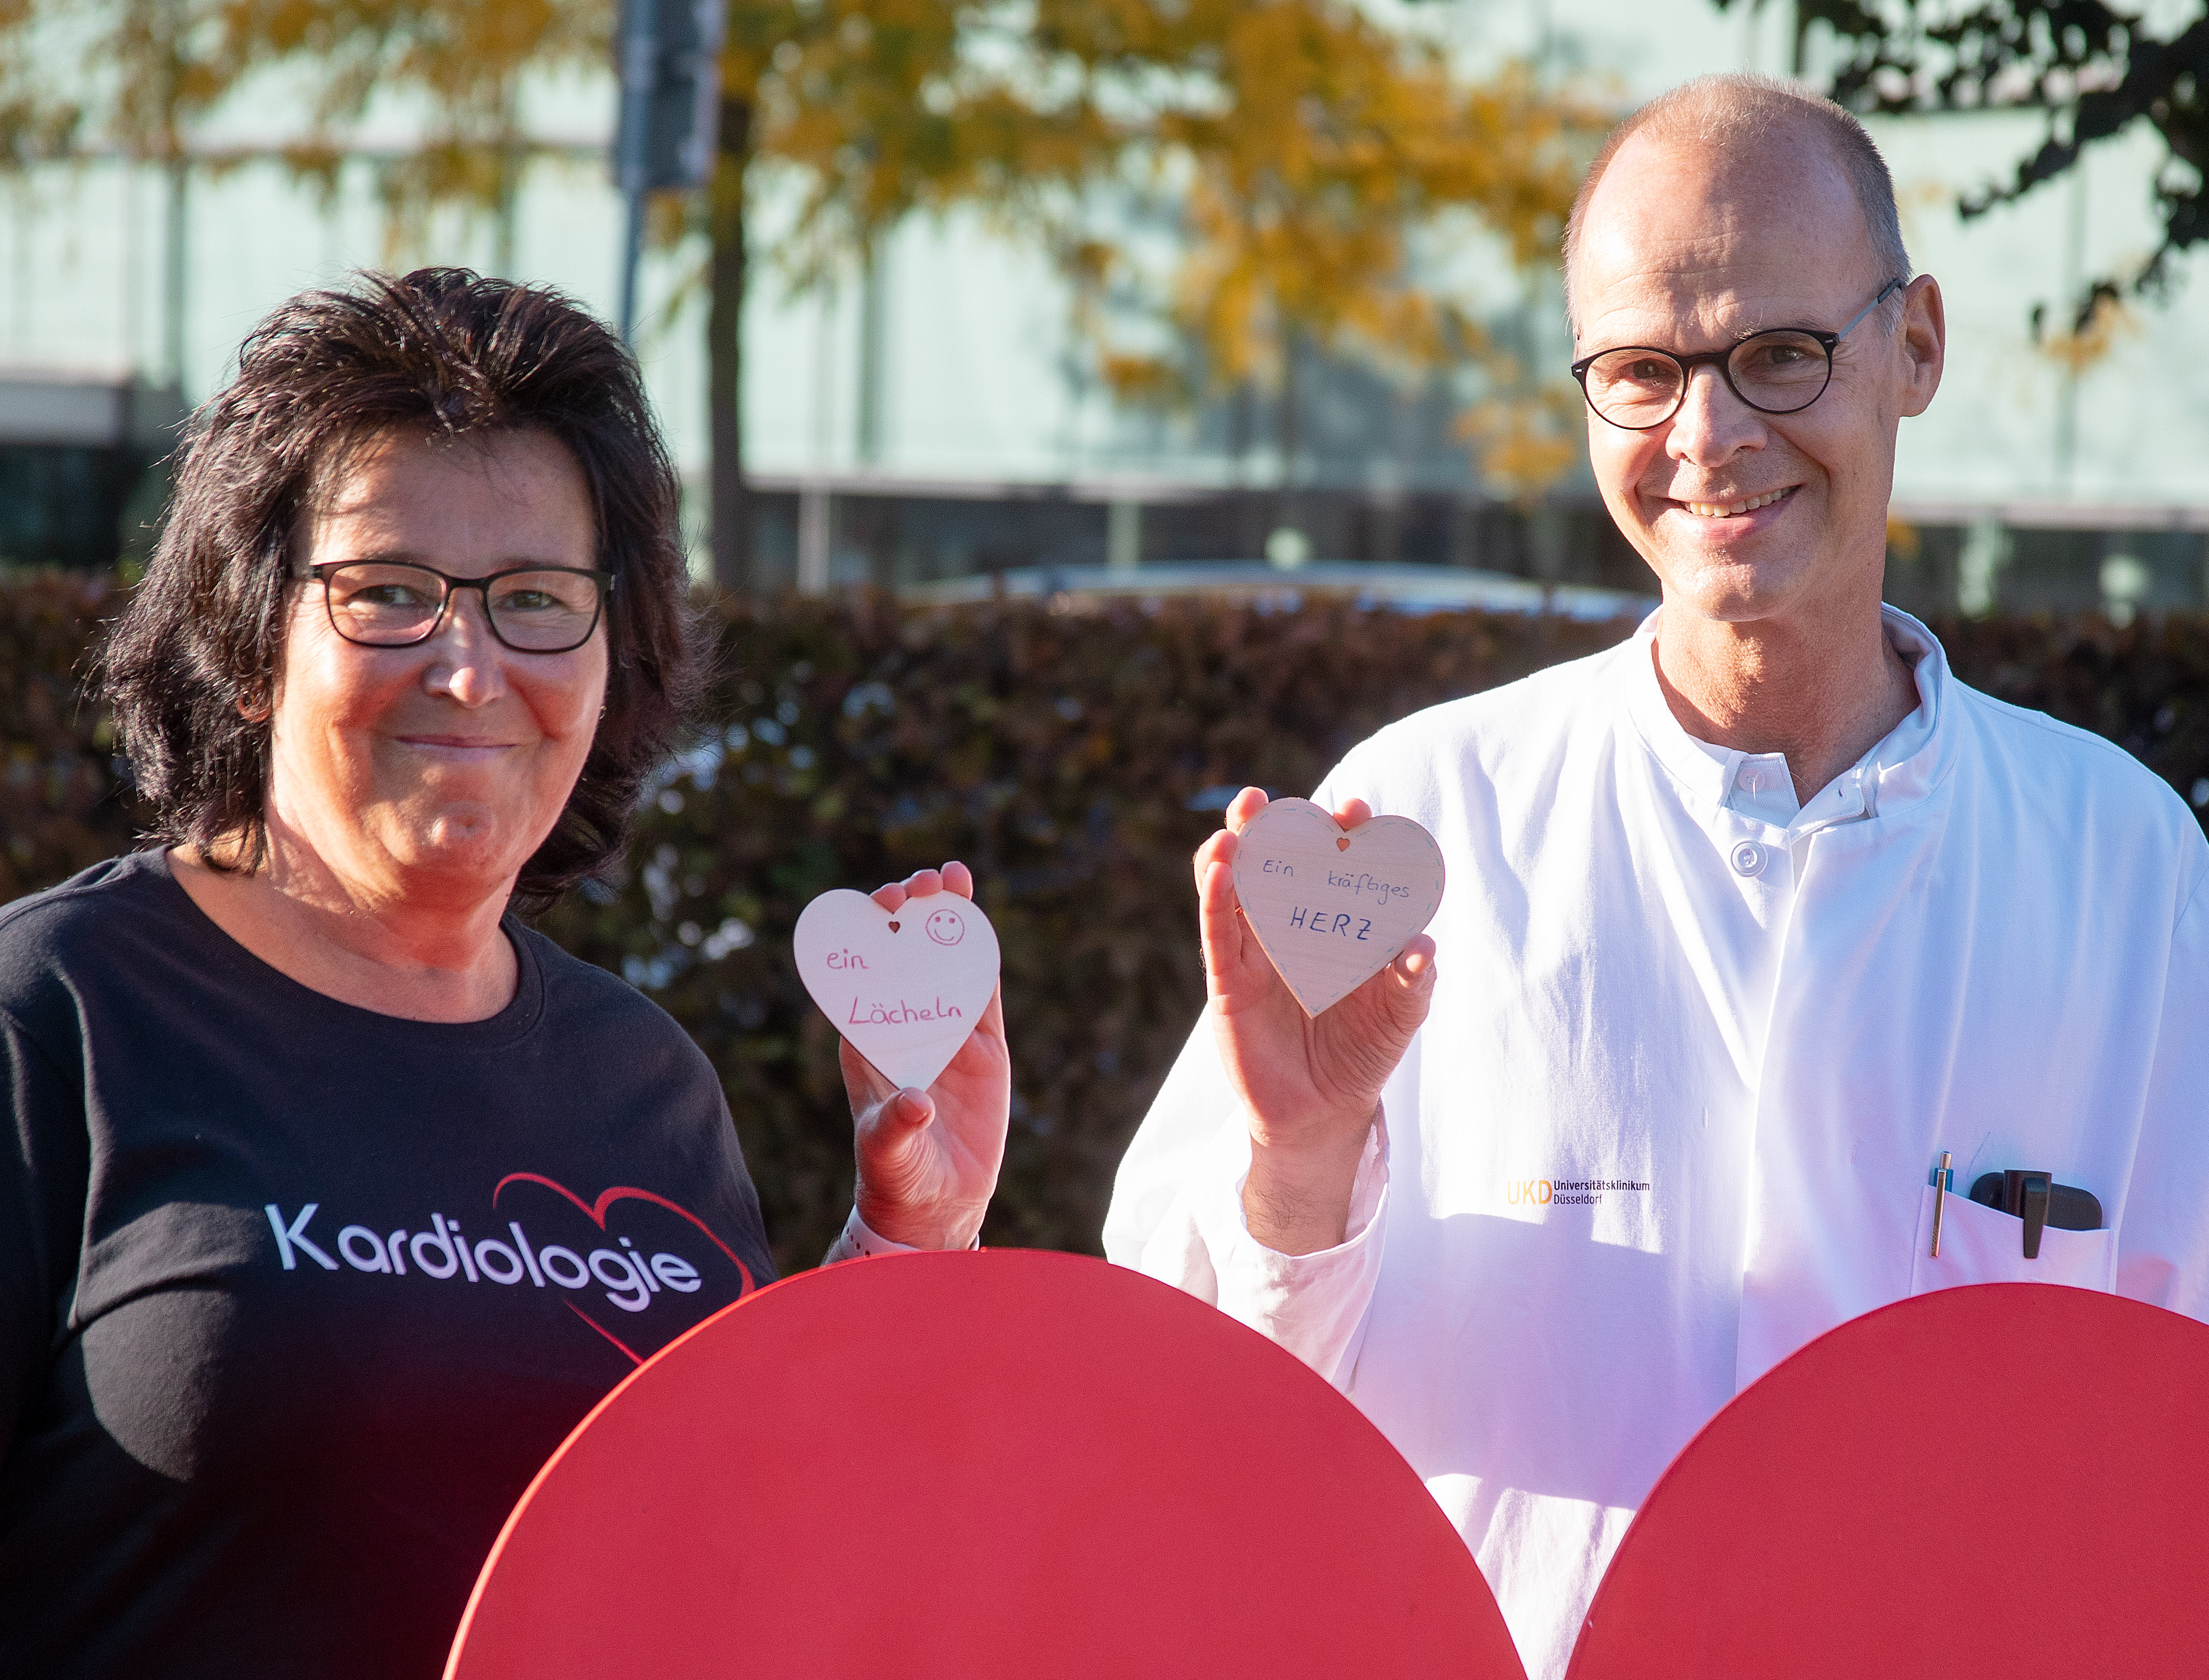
(42, 1177)
(2162, 1253)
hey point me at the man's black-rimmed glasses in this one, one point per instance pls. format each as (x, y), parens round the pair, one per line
(396, 604)
(1781, 371)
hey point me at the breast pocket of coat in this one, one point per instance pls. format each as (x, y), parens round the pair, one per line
(1980, 1244)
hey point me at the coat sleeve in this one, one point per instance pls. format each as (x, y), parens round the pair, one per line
(1176, 1215)
(43, 1162)
(2162, 1253)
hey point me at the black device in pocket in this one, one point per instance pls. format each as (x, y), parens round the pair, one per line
(2039, 1201)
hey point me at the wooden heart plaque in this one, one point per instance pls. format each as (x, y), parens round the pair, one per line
(1332, 908)
(904, 987)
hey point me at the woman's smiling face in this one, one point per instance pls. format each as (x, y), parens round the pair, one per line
(437, 768)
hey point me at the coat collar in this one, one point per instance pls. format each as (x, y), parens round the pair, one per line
(1898, 773)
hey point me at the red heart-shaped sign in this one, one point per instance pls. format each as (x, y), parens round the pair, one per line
(1986, 1483)
(745, 1504)
(1979, 1484)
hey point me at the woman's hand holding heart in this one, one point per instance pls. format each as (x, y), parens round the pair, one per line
(928, 1161)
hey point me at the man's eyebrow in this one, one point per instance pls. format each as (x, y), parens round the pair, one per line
(1742, 337)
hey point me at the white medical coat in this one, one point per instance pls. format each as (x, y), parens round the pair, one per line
(1691, 1058)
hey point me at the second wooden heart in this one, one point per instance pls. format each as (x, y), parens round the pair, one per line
(1332, 908)
(906, 988)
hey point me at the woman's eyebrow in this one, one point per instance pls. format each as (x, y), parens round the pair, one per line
(409, 556)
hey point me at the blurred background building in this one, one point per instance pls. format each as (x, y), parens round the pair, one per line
(933, 413)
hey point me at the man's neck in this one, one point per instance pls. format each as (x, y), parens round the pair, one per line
(1824, 695)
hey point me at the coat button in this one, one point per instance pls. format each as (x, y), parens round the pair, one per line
(1748, 858)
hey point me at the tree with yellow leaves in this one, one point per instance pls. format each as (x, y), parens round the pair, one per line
(136, 76)
(863, 102)
(879, 108)
(1310, 152)
(1308, 147)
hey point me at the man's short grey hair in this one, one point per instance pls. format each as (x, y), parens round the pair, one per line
(1736, 111)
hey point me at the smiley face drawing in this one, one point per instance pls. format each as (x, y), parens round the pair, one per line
(945, 928)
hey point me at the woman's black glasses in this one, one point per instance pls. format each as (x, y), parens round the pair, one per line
(396, 604)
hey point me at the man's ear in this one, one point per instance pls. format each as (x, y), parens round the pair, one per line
(1924, 343)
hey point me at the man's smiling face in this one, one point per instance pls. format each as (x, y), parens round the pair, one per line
(1747, 516)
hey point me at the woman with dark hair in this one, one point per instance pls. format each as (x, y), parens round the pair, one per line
(335, 1196)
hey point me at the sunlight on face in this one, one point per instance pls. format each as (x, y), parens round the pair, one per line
(1745, 515)
(440, 766)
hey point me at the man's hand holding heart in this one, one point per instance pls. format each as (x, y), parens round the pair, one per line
(1310, 1085)
(928, 1161)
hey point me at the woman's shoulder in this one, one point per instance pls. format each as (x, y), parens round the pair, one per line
(615, 1048)
(574, 986)
(57, 944)
(79, 918)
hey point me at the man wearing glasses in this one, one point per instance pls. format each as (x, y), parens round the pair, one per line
(1750, 923)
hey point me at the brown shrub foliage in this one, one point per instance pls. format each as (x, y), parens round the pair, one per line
(1073, 760)
(63, 806)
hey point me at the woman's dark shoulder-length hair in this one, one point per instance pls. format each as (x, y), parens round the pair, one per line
(191, 667)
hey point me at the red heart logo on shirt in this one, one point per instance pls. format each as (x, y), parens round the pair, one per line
(596, 1212)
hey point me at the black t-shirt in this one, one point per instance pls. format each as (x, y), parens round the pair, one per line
(295, 1298)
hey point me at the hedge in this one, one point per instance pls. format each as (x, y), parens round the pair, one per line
(1074, 759)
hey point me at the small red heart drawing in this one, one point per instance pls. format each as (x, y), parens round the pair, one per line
(596, 1212)
(893, 927)
(1342, 846)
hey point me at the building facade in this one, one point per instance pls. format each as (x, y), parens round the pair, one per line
(934, 419)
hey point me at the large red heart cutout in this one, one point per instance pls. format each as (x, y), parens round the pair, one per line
(944, 1464)
(1013, 1464)
(2002, 1482)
